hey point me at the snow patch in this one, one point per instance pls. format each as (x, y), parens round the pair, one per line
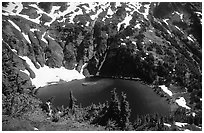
(61, 21)
(166, 124)
(14, 25)
(189, 38)
(71, 8)
(123, 44)
(169, 33)
(93, 17)
(179, 29)
(166, 90)
(33, 30)
(43, 39)
(82, 68)
(14, 51)
(11, 6)
(136, 6)
(53, 15)
(46, 75)
(165, 21)
(150, 31)
(51, 37)
(180, 14)
(180, 124)
(106, 5)
(134, 43)
(110, 12)
(87, 24)
(146, 11)
(125, 21)
(138, 26)
(26, 37)
(182, 102)
(199, 13)
(117, 4)
(199, 127)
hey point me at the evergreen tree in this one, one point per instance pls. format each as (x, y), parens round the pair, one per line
(72, 100)
(111, 125)
(190, 119)
(114, 107)
(125, 113)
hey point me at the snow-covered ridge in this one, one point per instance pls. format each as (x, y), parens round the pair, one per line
(45, 75)
(74, 9)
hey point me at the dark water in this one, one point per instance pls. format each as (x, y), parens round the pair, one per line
(142, 99)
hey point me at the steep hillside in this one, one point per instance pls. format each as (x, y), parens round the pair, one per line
(159, 43)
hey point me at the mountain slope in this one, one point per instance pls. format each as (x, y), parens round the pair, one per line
(160, 43)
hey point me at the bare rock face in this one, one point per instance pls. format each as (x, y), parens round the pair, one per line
(46, 6)
(30, 11)
(44, 18)
(54, 53)
(69, 56)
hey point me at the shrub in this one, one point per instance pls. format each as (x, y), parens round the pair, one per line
(17, 104)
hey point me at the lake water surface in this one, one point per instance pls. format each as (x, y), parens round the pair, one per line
(142, 99)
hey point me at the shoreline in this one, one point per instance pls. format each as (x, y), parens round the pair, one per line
(156, 88)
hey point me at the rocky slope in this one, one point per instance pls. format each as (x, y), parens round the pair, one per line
(160, 43)
(70, 34)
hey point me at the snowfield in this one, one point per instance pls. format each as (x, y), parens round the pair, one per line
(179, 124)
(45, 75)
(166, 90)
(182, 102)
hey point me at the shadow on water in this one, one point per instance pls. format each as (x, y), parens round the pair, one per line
(142, 98)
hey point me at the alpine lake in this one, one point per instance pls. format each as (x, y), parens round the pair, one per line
(142, 99)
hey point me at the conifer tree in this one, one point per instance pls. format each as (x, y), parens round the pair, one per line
(114, 107)
(72, 100)
(125, 113)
